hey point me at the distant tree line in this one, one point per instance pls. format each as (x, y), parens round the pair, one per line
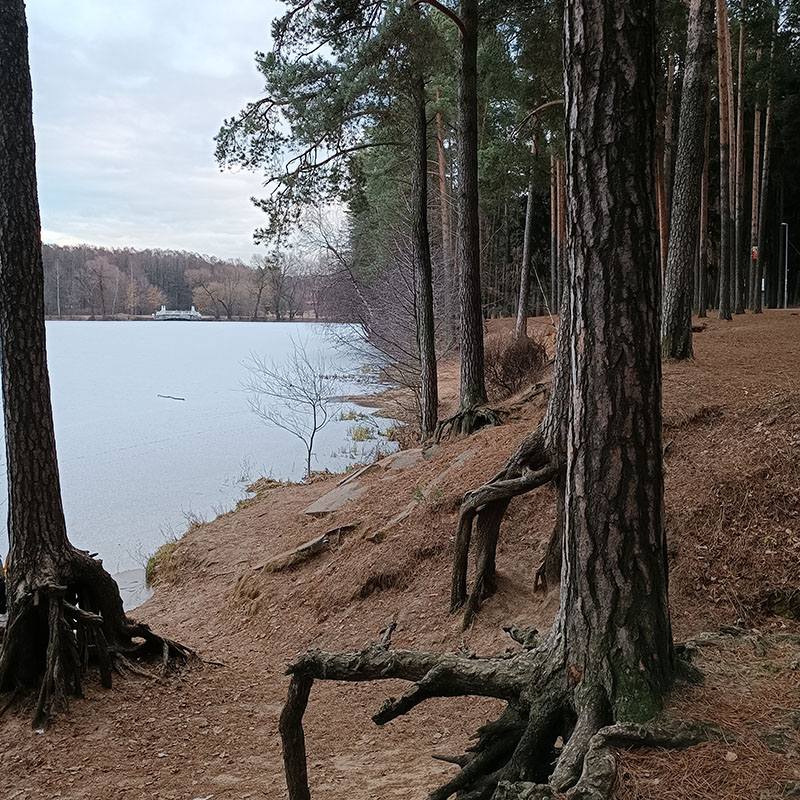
(100, 283)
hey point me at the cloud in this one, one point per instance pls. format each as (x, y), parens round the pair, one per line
(127, 99)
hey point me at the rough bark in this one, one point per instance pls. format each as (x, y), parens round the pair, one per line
(562, 228)
(63, 606)
(473, 388)
(426, 333)
(676, 326)
(724, 165)
(615, 561)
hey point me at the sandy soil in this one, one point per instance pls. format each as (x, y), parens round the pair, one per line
(732, 441)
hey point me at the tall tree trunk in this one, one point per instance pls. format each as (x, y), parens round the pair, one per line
(426, 333)
(753, 262)
(724, 166)
(676, 326)
(762, 215)
(739, 235)
(661, 208)
(521, 329)
(63, 606)
(669, 143)
(702, 266)
(448, 262)
(614, 315)
(473, 387)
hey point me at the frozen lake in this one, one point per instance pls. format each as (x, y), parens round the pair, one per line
(133, 464)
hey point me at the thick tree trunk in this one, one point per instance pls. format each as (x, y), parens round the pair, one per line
(426, 333)
(739, 235)
(62, 604)
(614, 617)
(473, 388)
(676, 326)
(724, 165)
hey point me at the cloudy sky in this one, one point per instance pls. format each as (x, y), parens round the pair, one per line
(128, 95)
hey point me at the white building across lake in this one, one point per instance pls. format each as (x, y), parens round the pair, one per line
(165, 313)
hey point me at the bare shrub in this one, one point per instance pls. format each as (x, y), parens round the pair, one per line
(512, 364)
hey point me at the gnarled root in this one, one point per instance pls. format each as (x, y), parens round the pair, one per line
(515, 757)
(56, 629)
(530, 466)
(465, 422)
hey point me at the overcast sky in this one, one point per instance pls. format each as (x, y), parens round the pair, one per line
(128, 95)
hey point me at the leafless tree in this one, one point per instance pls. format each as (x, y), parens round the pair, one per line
(294, 394)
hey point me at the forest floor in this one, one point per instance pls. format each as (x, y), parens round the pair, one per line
(210, 731)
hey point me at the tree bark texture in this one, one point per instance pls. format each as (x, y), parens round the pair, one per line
(676, 325)
(426, 333)
(473, 387)
(614, 616)
(724, 165)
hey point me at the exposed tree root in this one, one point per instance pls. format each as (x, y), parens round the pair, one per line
(515, 757)
(465, 422)
(56, 631)
(530, 466)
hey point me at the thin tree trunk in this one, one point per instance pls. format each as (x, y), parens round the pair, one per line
(669, 143)
(739, 235)
(762, 216)
(724, 166)
(676, 326)
(753, 261)
(426, 335)
(448, 262)
(473, 387)
(702, 270)
(661, 209)
(521, 329)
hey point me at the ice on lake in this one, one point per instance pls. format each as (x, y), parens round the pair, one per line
(135, 465)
